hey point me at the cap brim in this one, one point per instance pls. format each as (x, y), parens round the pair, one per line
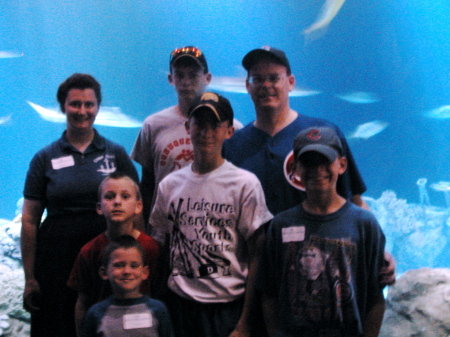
(190, 56)
(209, 108)
(330, 153)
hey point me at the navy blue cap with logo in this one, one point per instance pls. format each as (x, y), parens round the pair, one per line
(319, 139)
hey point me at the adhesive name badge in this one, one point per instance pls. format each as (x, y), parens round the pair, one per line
(62, 162)
(293, 234)
(137, 321)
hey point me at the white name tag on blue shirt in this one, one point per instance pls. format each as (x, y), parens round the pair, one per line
(293, 234)
(137, 321)
(61, 162)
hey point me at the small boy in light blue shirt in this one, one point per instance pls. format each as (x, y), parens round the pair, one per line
(127, 313)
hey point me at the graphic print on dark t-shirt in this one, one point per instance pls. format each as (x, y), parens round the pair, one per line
(320, 280)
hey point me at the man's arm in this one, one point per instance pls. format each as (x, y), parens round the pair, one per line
(374, 318)
(31, 217)
(255, 244)
(387, 272)
(358, 201)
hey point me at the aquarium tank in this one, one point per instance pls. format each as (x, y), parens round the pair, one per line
(380, 70)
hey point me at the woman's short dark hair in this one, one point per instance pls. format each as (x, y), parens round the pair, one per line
(78, 81)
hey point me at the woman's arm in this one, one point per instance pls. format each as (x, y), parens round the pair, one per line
(31, 217)
(81, 308)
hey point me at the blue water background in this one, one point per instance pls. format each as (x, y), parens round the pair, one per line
(398, 50)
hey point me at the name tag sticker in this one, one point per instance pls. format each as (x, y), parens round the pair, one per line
(293, 234)
(61, 162)
(137, 321)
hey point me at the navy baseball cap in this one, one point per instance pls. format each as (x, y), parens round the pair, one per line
(319, 139)
(265, 52)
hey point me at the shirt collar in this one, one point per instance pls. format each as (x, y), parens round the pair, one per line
(98, 143)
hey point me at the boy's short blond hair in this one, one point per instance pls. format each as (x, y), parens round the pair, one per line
(116, 176)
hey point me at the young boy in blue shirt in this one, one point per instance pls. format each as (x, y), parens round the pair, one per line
(321, 260)
(127, 312)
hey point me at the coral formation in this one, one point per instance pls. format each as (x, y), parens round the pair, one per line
(10, 244)
(416, 234)
(14, 320)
